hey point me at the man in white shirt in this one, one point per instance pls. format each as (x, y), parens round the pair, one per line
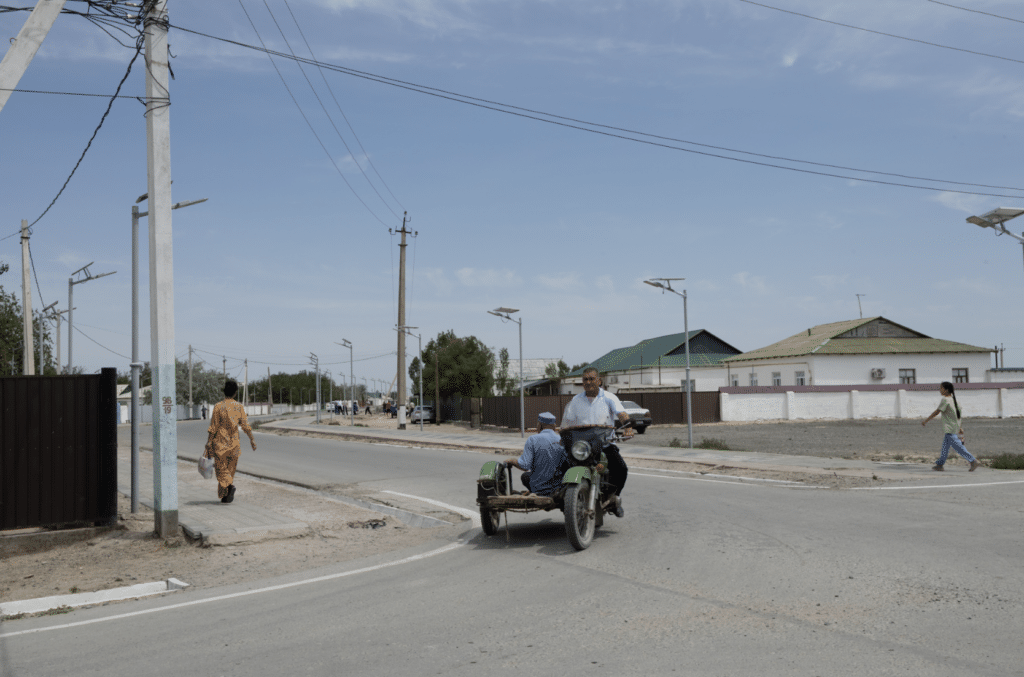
(597, 407)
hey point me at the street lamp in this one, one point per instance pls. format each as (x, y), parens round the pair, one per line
(84, 270)
(995, 220)
(506, 314)
(419, 338)
(136, 365)
(345, 343)
(667, 286)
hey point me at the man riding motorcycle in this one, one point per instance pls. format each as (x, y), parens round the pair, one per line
(597, 407)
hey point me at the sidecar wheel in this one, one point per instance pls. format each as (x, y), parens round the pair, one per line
(579, 527)
(490, 521)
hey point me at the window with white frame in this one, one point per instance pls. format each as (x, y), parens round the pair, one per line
(776, 378)
(960, 376)
(753, 379)
(798, 377)
(735, 380)
(908, 376)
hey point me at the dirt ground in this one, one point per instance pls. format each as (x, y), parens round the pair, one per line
(878, 439)
(132, 553)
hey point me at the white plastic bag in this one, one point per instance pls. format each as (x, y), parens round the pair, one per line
(206, 467)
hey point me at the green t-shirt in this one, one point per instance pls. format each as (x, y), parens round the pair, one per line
(950, 421)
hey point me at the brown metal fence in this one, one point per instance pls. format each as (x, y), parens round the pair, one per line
(671, 407)
(58, 450)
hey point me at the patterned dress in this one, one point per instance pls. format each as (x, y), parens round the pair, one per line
(224, 445)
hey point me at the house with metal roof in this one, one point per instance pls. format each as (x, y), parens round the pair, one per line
(659, 364)
(871, 350)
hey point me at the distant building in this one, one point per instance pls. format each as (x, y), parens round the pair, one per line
(659, 365)
(870, 350)
(533, 370)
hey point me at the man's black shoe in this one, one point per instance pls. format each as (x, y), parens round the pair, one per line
(231, 494)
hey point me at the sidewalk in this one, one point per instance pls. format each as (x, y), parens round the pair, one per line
(200, 513)
(501, 442)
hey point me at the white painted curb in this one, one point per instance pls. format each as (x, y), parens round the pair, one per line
(33, 606)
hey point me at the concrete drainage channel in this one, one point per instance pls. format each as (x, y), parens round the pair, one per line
(34, 606)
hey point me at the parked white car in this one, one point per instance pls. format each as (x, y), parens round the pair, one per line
(641, 417)
(425, 412)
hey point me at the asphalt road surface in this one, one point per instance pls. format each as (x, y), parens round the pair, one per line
(703, 576)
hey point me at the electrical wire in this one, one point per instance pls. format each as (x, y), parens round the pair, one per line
(101, 345)
(888, 35)
(509, 109)
(303, 114)
(320, 70)
(976, 11)
(104, 96)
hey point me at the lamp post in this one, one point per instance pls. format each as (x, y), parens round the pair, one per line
(506, 314)
(84, 270)
(330, 389)
(345, 343)
(665, 284)
(419, 337)
(136, 365)
(995, 220)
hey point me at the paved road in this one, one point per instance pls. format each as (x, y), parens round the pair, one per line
(701, 577)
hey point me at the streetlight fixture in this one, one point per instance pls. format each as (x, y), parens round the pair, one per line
(345, 343)
(84, 270)
(419, 337)
(995, 220)
(506, 314)
(136, 365)
(665, 284)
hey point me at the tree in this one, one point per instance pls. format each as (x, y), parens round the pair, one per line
(578, 366)
(12, 328)
(557, 370)
(504, 383)
(464, 366)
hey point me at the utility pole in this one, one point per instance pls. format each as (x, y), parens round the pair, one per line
(401, 320)
(225, 361)
(245, 388)
(43, 314)
(28, 364)
(858, 305)
(24, 47)
(71, 307)
(56, 315)
(161, 271)
(270, 392)
(315, 361)
(190, 380)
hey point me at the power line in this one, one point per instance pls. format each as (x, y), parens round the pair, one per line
(976, 11)
(101, 345)
(534, 115)
(320, 70)
(104, 96)
(302, 113)
(888, 35)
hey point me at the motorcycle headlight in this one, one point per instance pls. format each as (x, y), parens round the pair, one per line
(580, 450)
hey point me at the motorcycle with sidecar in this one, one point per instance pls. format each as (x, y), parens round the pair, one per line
(584, 495)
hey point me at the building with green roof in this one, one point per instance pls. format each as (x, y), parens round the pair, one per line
(871, 350)
(659, 364)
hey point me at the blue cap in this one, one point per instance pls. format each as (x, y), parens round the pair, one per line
(546, 418)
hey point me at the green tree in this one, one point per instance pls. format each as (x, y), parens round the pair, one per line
(505, 384)
(464, 366)
(578, 366)
(12, 327)
(557, 370)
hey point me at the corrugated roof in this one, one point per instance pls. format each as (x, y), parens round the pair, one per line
(823, 340)
(647, 353)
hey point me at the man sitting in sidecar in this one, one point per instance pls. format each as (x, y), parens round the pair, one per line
(542, 459)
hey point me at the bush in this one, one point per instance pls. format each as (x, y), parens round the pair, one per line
(1007, 462)
(712, 443)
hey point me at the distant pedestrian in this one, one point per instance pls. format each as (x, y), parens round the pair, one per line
(355, 407)
(222, 444)
(367, 408)
(204, 412)
(951, 427)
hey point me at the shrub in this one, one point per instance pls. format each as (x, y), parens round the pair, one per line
(712, 443)
(1007, 462)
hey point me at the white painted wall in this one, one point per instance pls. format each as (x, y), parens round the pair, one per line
(852, 404)
(1004, 375)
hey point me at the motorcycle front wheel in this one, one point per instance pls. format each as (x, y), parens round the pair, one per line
(579, 526)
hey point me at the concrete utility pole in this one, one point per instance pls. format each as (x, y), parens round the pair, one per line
(345, 343)
(71, 306)
(43, 314)
(190, 380)
(56, 315)
(24, 47)
(401, 320)
(28, 364)
(859, 307)
(161, 272)
(315, 361)
(225, 361)
(270, 392)
(245, 388)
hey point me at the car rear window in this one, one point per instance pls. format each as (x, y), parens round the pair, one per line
(631, 405)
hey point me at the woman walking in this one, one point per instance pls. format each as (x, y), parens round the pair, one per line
(950, 412)
(222, 444)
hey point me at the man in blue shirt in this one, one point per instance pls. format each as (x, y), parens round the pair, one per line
(541, 458)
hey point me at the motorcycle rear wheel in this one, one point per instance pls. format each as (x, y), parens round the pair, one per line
(579, 526)
(490, 521)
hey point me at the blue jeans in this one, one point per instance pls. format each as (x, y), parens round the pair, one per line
(951, 440)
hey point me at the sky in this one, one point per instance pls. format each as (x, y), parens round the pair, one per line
(292, 251)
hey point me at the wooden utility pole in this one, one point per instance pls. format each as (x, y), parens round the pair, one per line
(161, 272)
(28, 359)
(401, 322)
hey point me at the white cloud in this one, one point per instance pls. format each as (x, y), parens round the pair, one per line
(753, 283)
(559, 282)
(790, 58)
(475, 277)
(968, 204)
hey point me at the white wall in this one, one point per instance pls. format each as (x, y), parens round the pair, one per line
(853, 404)
(1004, 375)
